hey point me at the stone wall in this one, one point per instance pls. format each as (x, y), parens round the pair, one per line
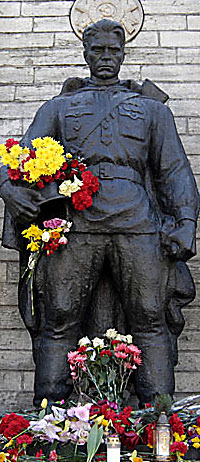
(37, 52)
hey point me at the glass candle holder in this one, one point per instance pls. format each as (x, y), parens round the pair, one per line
(162, 439)
(113, 449)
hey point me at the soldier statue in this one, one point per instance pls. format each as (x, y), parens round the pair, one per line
(142, 221)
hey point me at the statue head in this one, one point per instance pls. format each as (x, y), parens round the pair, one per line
(103, 44)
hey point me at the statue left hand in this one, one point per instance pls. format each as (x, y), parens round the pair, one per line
(180, 242)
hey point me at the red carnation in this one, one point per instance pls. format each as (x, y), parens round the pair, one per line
(74, 163)
(13, 424)
(130, 439)
(198, 421)
(24, 439)
(40, 184)
(81, 200)
(10, 142)
(176, 424)
(178, 446)
(105, 353)
(14, 174)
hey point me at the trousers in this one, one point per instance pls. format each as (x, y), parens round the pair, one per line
(65, 282)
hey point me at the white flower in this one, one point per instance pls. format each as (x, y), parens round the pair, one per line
(111, 333)
(129, 338)
(45, 236)
(84, 341)
(122, 338)
(67, 188)
(32, 260)
(98, 342)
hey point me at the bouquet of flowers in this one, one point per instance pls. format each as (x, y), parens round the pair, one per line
(47, 163)
(106, 364)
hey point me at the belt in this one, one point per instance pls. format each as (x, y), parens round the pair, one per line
(108, 171)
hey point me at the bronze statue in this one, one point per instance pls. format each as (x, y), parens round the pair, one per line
(142, 223)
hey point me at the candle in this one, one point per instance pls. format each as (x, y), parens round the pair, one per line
(113, 449)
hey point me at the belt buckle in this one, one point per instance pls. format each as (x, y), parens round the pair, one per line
(105, 172)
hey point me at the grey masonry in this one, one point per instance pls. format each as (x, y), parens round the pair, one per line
(38, 51)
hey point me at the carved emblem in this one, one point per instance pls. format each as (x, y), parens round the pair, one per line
(128, 12)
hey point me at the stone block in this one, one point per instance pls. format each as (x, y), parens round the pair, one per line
(17, 359)
(130, 71)
(66, 40)
(191, 143)
(10, 319)
(145, 39)
(13, 272)
(149, 55)
(193, 22)
(162, 73)
(7, 93)
(170, 7)
(187, 382)
(10, 380)
(186, 106)
(14, 339)
(164, 22)
(11, 25)
(28, 381)
(58, 74)
(10, 128)
(3, 272)
(8, 254)
(14, 109)
(14, 75)
(181, 124)
(187, 363)
(16, 401)
(188, 55)
(10, 9)
(194, 125)
(50, 8)
(191, 315)
(186, 90)
(8, 294)
(55, 24)
(194, 162)
(180, 39)
(1, 208)
(37, 92)
(28, 40)
(189, 341)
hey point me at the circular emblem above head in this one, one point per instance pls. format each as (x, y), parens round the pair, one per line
(127, 12)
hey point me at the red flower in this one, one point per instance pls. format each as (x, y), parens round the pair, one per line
(40, 184)
(53, 455)
(13, 424)
(32, 154)
(179, 446)
(198, 421)
(147, 405)
(82, 349)
(119, 428)
(39, 454)
(176, 424)
(82, 167)
(90, 181)
(81, 200)
(105, 353)
(130, 439)
(74, 163)
(148, 436)
(10, 142)
(64, 166)
(14, 174)
(24, 439)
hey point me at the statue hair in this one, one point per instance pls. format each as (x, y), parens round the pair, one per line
(105, 25)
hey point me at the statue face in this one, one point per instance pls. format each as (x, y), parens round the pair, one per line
(104, 55)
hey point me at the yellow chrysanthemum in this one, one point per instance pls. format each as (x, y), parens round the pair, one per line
(37, 142)
(69, 156)
(198, 430)
(3, 150)
(25, 151)
(15, 151)
(196, 445)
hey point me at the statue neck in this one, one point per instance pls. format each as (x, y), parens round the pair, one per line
(103, 82)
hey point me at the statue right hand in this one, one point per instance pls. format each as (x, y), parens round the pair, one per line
(22, 203)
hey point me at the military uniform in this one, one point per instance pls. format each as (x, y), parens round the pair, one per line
(122, 136)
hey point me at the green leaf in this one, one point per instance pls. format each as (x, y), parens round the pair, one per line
(94, 441)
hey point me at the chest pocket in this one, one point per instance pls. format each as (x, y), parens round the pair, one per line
(75, 119)
(131, 121)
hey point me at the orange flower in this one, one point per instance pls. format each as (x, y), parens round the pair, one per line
(55, 235)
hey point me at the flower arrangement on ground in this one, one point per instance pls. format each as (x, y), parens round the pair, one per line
(105, 364)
